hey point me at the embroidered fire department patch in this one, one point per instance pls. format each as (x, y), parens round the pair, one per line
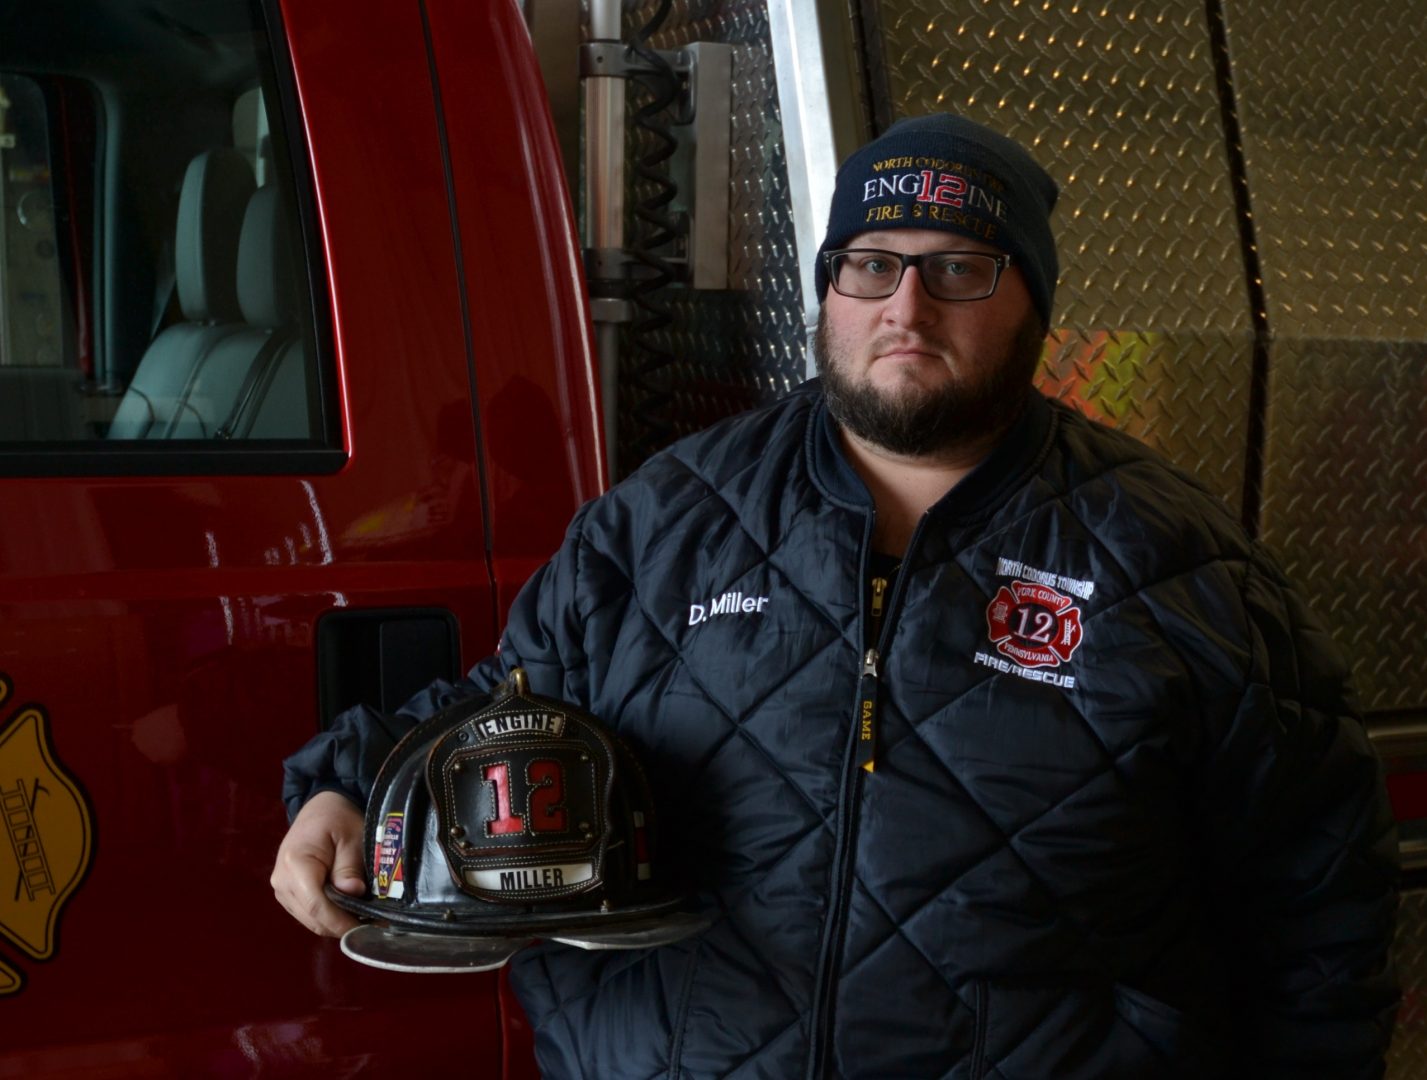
(1033, 625)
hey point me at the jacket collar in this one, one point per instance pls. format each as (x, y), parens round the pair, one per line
(1003, 469)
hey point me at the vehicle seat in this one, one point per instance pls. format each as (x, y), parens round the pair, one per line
(216, 189)
(253, 383)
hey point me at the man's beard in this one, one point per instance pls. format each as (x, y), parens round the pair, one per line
(926, 423)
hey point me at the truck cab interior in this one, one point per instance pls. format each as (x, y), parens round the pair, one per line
(152, 288)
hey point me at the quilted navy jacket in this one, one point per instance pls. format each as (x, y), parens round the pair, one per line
(1122, 820)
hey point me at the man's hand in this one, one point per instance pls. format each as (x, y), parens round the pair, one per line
(324, 841)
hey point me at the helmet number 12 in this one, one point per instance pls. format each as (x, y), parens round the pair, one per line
(545, 792)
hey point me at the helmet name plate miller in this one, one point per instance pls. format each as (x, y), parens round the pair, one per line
(531, 877)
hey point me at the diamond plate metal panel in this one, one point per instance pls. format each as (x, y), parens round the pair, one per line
(744, 346)
(1181, 393)
(1119, 101)
(1407, 1060)
(1333, 132)
(1345, 500)
(1333, 142)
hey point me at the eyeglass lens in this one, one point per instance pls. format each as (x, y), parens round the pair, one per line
(949, 275)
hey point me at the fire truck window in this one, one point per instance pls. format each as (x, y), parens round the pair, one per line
(156, 301)
(36, 359)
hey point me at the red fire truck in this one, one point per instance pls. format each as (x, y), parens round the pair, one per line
(295, 391)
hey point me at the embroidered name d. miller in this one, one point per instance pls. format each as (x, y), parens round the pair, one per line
(729, 603)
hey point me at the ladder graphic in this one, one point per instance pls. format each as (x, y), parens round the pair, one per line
(24, 833)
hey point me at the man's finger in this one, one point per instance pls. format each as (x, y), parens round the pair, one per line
(326, 918)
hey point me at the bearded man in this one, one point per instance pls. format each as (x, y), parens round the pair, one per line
(1015, 757)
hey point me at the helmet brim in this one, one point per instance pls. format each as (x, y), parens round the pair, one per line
(462, 948)
(443, 921)
(393, 949)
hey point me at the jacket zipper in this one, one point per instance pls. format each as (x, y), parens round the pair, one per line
(862, 759)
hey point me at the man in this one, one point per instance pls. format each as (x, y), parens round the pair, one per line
(996, 746)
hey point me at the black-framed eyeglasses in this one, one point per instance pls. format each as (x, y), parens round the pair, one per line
(873, 274)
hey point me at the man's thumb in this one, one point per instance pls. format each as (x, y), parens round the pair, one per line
(347, 868)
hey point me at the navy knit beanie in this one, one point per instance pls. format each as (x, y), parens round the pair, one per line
(946, 172)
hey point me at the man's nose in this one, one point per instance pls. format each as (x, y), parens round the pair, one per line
(911, 304)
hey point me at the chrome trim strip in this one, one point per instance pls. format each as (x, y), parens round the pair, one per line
(814, 57)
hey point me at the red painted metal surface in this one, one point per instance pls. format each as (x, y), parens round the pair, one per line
(1408, 793)
(520, 261)
(167, 625)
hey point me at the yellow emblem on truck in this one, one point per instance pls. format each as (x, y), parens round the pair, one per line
(46, 836)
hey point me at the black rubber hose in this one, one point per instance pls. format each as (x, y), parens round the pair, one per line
(655, 230)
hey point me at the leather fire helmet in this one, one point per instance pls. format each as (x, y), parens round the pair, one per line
(503, 820)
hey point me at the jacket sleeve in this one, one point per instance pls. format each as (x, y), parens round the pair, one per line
(1303, 850)
(541, 635)
(346, 757)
